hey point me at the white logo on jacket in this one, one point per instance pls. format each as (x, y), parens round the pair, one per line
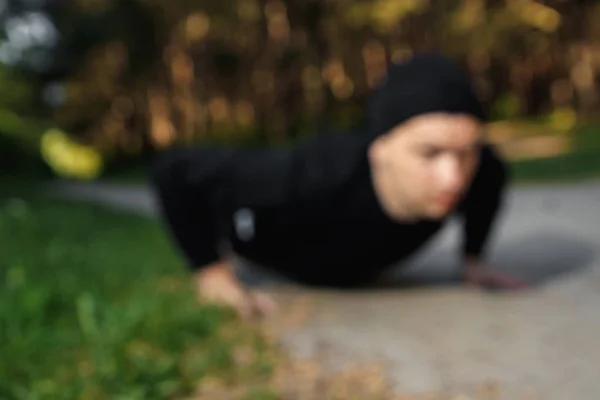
(243, 220)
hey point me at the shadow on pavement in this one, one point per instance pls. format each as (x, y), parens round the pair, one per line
(537, 259)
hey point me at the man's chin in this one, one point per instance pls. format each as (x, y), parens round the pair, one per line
(440, 211)
(434, 212)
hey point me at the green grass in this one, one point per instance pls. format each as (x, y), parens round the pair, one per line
(570, 167)
(96, 305)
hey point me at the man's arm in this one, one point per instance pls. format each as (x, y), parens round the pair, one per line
(195, 191)
(189, 185)
(480, 209)
(483, 203)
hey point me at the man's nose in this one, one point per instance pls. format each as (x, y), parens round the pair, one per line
(452, 174)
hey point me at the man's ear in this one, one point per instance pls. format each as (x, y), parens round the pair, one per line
(376, 150)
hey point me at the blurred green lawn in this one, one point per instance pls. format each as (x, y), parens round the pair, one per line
(582, 163)
(95, 305)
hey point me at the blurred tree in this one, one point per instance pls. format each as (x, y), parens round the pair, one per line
(132, 75)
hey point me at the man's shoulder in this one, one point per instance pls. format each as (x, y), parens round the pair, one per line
(260, 176)
(330, 141)
(324, 164)
(334, 150)
(297, 173)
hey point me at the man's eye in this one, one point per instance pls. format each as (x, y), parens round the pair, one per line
(431, 153)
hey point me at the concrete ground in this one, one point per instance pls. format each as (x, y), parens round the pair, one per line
(435, 336)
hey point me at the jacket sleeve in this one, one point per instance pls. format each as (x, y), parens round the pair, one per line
(189, 187)
(483, 202)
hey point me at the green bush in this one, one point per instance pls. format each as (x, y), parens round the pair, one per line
(17, 159)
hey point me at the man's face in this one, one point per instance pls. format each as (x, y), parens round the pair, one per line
(429, 162)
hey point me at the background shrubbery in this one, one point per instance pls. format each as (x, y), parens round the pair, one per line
(128, 78)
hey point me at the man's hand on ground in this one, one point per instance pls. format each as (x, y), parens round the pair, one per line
(476, 274)
(218, 284)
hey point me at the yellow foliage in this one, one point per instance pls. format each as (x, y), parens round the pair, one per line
(248, 10)
(384, 14)
(342, 87)
(358, 14)
(563, 119)
(536, 14)
(507, 105)
(387, 13)
(470, 13)
(197, 26)
(68, 158)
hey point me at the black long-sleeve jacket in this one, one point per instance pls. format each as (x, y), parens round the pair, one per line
(308, 211)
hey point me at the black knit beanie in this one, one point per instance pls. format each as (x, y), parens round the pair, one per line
(425, 83)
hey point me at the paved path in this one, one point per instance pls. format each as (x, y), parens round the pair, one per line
(540, 344)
